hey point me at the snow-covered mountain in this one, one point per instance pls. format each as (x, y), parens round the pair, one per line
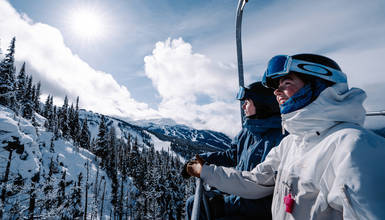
(167, 129)
(184, 141)
(33, 164)
(39, 168)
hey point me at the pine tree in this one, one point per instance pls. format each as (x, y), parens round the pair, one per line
(84, 140)
(74, 124)
(21, 84)
(7, 78)
(48, 190)
(61, 190)
(76, 209)
(36, 100)
(47, 107)
(27, 102)
(32, 195)
(101, 148)
(55, 123)
(63, 118)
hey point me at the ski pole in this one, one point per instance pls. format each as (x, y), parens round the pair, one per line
(241, 5)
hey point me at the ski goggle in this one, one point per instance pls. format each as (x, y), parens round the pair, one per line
(241, 95)
(282, 65)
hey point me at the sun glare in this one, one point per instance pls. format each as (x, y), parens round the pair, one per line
(87, 24)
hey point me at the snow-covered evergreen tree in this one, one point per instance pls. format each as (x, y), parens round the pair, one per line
(36, 100)
(84, 139)
(101, 148)
(63, 119)
(7, 78)
(74, 124)
(76, 207)
(21, 84)
(27, 102)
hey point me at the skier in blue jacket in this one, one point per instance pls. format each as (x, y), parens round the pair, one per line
(261, 131)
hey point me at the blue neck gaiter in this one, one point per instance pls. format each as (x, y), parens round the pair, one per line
(303, 97)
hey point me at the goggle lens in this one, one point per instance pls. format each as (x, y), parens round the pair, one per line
(241, 93)
(276, 65)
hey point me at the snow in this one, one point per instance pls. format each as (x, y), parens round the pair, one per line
(36, 147)
(164, 146)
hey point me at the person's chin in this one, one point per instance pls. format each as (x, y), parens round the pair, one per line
(282, 101)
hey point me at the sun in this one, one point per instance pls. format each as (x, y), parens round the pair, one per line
(87, 23)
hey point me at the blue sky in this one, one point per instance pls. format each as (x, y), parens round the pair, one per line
(177, 59)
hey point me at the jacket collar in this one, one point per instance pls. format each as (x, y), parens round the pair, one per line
(334, 105)
(261, 125)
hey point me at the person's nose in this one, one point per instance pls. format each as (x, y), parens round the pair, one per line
(277, 91)
(244, 106)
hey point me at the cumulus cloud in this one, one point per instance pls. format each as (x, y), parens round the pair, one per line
(181, 76)
(51, 61)
(350, 33)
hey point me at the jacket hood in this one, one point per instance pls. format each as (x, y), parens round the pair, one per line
(262, 125)
(334, 105)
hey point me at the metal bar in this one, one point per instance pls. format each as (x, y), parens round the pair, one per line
(206, 205)
(197, 200)
(241, 5)
(376, 113)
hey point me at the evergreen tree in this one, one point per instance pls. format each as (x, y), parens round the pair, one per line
(7, 78)
(47, 107)
(84, 140)
(32, 195)
(74, 124)
(48, 190)
(36, 100)
(63, 118)
(76, 198)
(21, 84)
(101, 148)
(54, 124)
(61, 190)
(27, 102)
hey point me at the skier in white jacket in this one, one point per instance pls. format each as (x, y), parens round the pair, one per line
(329, 167)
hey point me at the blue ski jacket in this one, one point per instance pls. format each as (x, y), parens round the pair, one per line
(250, 146)
(248, 149)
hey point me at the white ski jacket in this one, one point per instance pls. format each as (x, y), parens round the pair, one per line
(331, 166)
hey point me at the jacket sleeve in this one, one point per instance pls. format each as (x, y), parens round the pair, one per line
(358, 188)
(226, 158)
(253, 184)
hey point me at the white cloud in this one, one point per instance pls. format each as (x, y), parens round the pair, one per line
(42, 48)
(180, 76)
(352, 33)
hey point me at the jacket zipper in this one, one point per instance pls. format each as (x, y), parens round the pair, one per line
(283, 124)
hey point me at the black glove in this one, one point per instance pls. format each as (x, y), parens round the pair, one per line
(184, 172)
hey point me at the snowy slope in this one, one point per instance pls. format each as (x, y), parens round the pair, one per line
(37, 156)
(167, 127)
(148, 132)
